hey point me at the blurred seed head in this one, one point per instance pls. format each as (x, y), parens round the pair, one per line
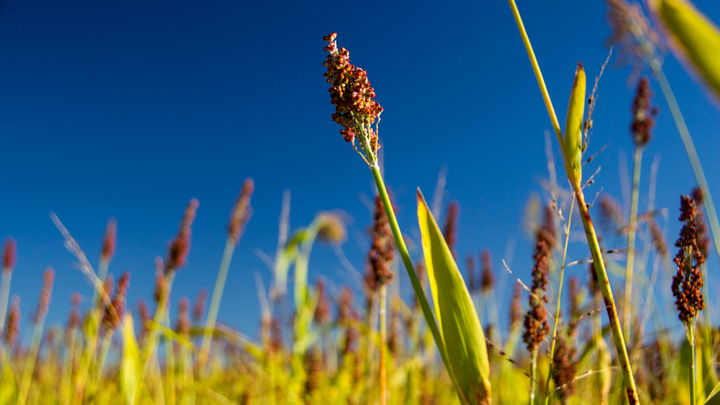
(45, 294)
(629, 26)
(74, 319)
(382, 250)
(564, 368)
(643, 113)
(470, 260)
(9, 255)
(487, 278)
(658, 238)
(109, 241)
(241, 212)
(114, 313)
(332, 229)
(611, 216)
(516, 307)
(199, 306)
(12, 330)
(180, 246)
(182, 327)
(451, 225)
(322, 308)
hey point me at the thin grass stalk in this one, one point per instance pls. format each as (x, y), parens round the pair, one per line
(4, 297)
(170, 369)
(533, 375)
(152, 338)
(383, 344)
(215, 303)
(630, 262)
(410, 268)
(599, 264)
(30, 360)
(690, 326)
(65, 385)
(559, 302)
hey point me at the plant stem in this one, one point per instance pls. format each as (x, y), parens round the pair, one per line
(4, 296)
(533, 375)
(383, 344)
(559, 301)
(215, 303)
(604, 282)
(152, 338)
(30, 360)
(690, 326)
(410, 268)
(630, 263)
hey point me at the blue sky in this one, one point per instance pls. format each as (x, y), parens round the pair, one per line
(129, 109)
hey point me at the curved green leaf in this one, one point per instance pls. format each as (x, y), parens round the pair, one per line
(459, 324)
(693, 37)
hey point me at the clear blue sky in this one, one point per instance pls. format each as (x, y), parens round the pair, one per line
(129, 109)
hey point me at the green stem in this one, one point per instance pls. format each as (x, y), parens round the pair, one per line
(407, 261)
(604, 282)
(383, 344)
(30, 361)
(215, 303)
(152, 338)
(690, 326)
(4, 296)
(533, 375)
(559, 301)
(630, 263)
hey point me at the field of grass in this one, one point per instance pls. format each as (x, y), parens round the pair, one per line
(564, 342)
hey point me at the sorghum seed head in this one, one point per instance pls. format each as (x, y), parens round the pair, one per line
(115, 311)
(451, 224)
(536, 326)
(322, 308)
(182, 327)
(180, 246)
(199, 306)
(74, 320)
(516, 307)
(332, 229)
(564, 368)
(240, 214)
(9, 255)
(470, 260)
(687, 282)
(109, 241)
(643, 113)
(382, 250)
(12, 331)
(658, 238)
(45, 294)
(487, 278)
(611, 216)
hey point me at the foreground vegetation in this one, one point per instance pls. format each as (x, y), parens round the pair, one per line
(591, 345)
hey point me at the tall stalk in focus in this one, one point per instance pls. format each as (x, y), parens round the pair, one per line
(572, 146)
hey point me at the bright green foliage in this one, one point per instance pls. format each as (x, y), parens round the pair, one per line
(693, 37)
(458, 321)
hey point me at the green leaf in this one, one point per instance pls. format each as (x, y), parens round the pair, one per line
(130, 363)
(573, 127)
(693, 37)
(459, 324)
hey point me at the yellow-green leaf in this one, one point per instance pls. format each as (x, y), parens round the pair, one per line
(573, 127)
(693, 37)
(130, 363)
(459, 324)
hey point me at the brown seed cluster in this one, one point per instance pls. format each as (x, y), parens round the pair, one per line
(535, 323)
(312, 374)
(240, 214)
(573, 305)
(115, 311)
(322, 308)
(658, 382)
(351, 93)
(12, 331)
(74, 319)
(643, 113)
(687, 282)
(516, 307)
(45, 294)
(199, 305)
(487, 275)
(9, 255)
(382, 251)
(109, 241)
(703, 239)
(470, 261)
(145, 317)
(451, 225)
(180, 246)
(183, 324)
(564, 368)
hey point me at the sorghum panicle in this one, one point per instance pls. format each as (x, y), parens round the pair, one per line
(160, 286)
(516, 307)
(611, 216)
(109, 241)
(199, 305)
(322, 308)
(564, 368)
(312, 374)
(12, 330)
(643, 113)
(145, 317)
(113, 317)
(382, 251)
(9, 255)
(624, 21)
(703, 239)
(240, 214)
(451, 224)
(45, 294)
(536, 326)
(352, 96)
(180, 246)
(394, 338)
(658, 238)
(183, 324)
(74, 319)
(658, 383)
(687, 283)
(573, 305)
(487, 277)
